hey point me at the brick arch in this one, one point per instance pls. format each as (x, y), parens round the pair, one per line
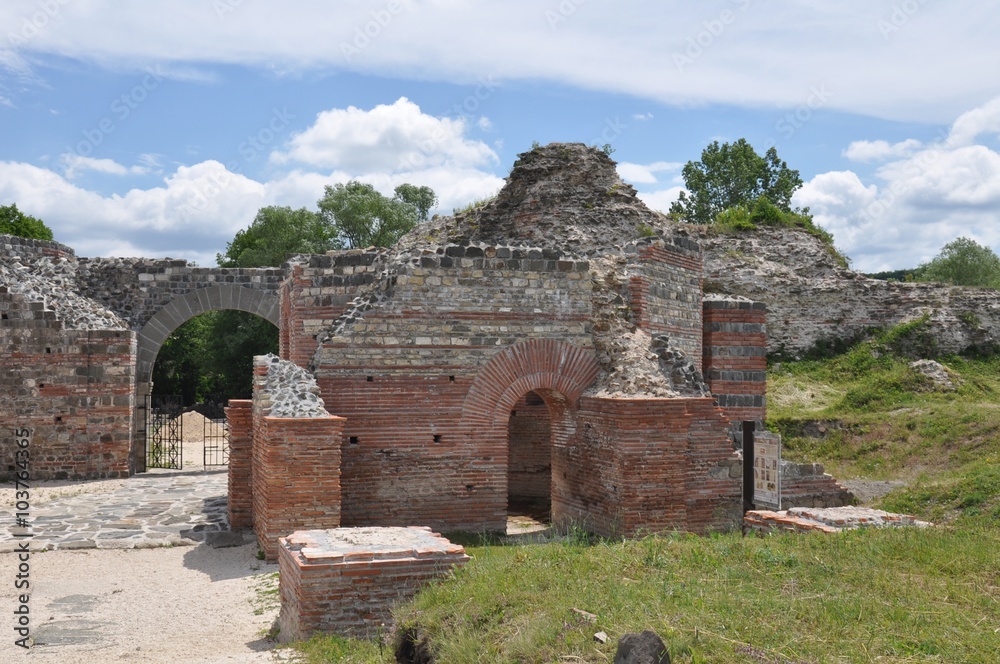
(194, 303)
(548, 366)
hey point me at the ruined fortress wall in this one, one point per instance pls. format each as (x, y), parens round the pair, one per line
(137, 288)
(29, 251)
(316, 291)
(665, 290)
(73, 388)
(400, 373)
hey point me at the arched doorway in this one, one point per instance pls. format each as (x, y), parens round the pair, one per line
(529, 466)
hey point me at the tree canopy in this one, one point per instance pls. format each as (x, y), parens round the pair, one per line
(15, 222)
(963, 262)
(732, 175)
(362, 217)
(275, 233)
(422, 198)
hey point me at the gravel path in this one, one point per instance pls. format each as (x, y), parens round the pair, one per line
(148, 593)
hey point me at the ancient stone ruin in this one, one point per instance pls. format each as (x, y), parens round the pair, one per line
(545, 348)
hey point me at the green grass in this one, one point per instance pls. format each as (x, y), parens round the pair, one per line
(898, 595)
(904, 595)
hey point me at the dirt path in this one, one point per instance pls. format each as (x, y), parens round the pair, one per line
(178, 604)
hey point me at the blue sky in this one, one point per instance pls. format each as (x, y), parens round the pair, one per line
(159, 128)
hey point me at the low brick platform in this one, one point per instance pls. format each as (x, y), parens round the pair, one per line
(346, 580)
(825, 520)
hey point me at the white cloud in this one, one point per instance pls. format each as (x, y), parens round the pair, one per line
(484, 123)
(925, 196)
(75, 165)
(390, 137)
(768, 54)
(641, 117)
(205, 204)
(646, 173)
(878, 150)
(660, 200)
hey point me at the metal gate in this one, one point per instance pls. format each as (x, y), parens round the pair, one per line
(216, 433)
(164, 432)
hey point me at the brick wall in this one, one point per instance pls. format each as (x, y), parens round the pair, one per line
(74, 388)
(529, 472)
(646, 465)
(735, 356)
(295, 472)
(347, 581)
(316, 291)
(665, 291)
(239, 418)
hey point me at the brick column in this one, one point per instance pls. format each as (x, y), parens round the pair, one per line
(296, 476)
(734, 356)
(239, 416)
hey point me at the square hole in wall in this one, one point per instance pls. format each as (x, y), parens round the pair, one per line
(353, 440)
(451, 379)
(370, 378)
(437, 438)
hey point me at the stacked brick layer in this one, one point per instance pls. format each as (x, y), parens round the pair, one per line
(295, 474)
(734, 362)
(346, 581)
(73, 388)
(239, 416)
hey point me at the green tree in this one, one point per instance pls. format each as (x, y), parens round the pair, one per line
(275, 233)
(362, 217)
(963, 262)
(732, 175)
(422, 198)
(15, 222)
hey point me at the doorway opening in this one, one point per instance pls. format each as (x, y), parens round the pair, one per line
(529, 466)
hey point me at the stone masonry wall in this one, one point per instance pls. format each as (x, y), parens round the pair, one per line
(316, 291)
(72, 387)
(529, 473)
(295, 452)
(665, 289)
(400, 371)
(137, 288)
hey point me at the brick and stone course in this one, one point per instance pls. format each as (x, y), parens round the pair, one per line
(346, 581)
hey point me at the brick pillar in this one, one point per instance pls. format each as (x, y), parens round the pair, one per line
(239, 416)
(296, 476)
(734, 356)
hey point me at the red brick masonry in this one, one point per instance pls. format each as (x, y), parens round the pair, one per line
(346, 580)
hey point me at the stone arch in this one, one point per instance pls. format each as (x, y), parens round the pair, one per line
(182, 309)
(547, 366)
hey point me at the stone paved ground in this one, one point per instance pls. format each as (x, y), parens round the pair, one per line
(153, 509)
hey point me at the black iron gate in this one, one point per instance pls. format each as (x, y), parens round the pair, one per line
(216, 433)
(164, 432)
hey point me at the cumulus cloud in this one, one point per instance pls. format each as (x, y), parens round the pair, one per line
(390, 137)
(801, 42)
(660, 200)
(922, 197)
(878, 150)
(75, 165)
(646, 173)
(203, 205)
